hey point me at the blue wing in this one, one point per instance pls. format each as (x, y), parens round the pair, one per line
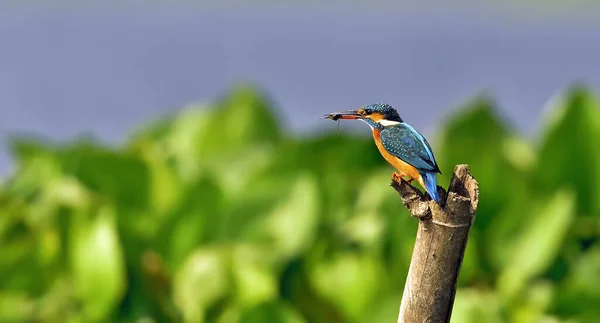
(406, 143)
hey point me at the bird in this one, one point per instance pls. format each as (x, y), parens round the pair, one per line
(399, 143)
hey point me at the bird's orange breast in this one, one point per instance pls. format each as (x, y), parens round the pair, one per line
(398, 163)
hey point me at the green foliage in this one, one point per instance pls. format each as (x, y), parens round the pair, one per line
(216, 214)
(97, 263)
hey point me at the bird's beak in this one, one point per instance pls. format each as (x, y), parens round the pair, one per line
(348, 115)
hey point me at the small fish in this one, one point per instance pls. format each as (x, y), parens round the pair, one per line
(333, 116)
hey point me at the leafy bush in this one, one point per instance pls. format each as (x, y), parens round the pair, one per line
(216, 214)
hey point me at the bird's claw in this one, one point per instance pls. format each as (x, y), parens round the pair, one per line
(397, 177)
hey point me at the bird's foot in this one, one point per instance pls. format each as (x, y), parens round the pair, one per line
(397, 177)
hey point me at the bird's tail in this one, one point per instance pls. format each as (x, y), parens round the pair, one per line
(430, 180)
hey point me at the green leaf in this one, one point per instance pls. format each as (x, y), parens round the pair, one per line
(254, 279)
(292, 224)
(15, 307)
(197, 220)
(201, 282)
(478, 136)
(121, 176)
(540, 243)
(27, 148)
(184, 142)
(476, 306)
(36, 165)
(398, 240)
(237, 175)
(331, 153)
(351, 281)
(533, 303)
(569, 153)
(375, 191)
(155, 131)
(57, 304)
(475, 136)
(502, 235)
(97, 263)
(519, 153)
(476, 127)
(271, 312)
(578, 292)
(384, 311)
(366, 226)
(245, 116)
(164, 183)
(219, 135)
(471, 263)
(204, 135)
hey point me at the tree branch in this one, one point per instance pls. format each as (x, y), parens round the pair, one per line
(439, 248)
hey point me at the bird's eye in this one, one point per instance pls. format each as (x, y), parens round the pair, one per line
(368, 111)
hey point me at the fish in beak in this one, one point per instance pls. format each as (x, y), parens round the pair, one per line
(348, 115)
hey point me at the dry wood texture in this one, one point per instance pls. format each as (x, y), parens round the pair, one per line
(439, 248)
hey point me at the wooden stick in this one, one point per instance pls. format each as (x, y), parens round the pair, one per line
(439, 248)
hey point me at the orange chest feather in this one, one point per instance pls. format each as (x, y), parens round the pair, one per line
(389, 157)
(398, 163)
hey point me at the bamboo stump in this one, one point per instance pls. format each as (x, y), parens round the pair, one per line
(439, 247)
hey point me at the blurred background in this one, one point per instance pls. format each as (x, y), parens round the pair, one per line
(165, 161)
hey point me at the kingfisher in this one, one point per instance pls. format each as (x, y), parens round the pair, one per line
(399, 143)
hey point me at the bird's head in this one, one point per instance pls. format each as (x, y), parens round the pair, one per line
(376, 115)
